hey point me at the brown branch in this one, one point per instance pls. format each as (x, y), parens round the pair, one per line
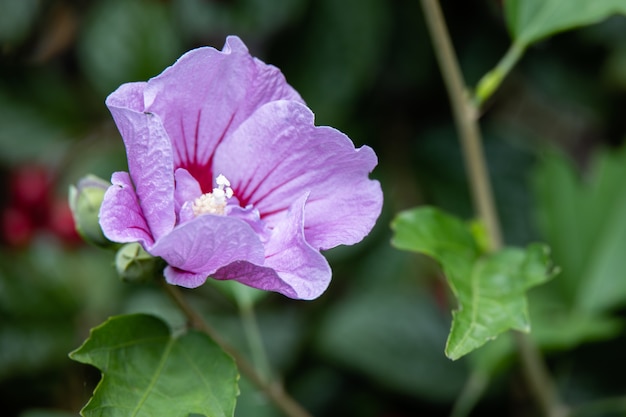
(273, 390)
(466, 119)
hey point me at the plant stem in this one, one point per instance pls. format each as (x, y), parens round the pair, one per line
(274, 391)
(474, 388)
(490, 82)
(466, 119)
(538, 378)
(465, 116)
(255, 342)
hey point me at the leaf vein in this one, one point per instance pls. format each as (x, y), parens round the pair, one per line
(155, 377)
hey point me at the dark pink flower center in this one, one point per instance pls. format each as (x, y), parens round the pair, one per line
(202, 173)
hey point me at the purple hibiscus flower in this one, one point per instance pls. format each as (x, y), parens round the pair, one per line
(230, 178)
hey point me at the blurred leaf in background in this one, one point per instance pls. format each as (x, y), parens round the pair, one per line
(391, 328)
(127, 40)
(532, 20)
(255, 18)
(17, 18)
(582, 216)
(338, 54)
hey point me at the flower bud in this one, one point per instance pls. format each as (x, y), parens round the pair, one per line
(85, 200)
(134, 264)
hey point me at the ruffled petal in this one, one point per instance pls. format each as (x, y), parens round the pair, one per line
(187, 188)
(182, 278)
(206, 94)
(149, 153)
(292, 267)
(279, 154)
(251, 216)
(121, 217)
(203, 245)
(256, 276)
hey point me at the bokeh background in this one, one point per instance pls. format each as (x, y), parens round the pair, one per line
(372, 346)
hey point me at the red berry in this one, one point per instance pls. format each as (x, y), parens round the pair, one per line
(30, 191)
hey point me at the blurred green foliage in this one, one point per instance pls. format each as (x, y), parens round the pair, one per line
(373, 345)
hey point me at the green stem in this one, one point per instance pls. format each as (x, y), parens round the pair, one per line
(465, 116)
(255, 342)
(490, 82)
(274, 391)
(474, 388)
(538, 378)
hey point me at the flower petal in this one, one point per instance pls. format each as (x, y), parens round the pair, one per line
(121, 217)
(206, 94)
(203, 245)
(187, 188)
(292, 267)
(255, 276)
(279, 154)
(182, 278)
(149, 152)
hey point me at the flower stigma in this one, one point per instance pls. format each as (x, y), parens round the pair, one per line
(214, 202)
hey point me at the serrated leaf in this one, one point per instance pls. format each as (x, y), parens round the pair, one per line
(430, 231)
(493, 300)
(532, 20)
(490, 289)
(148, 372)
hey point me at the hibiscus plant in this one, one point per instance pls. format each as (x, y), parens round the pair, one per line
(232, 193)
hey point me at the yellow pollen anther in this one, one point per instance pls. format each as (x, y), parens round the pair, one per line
(214, 202)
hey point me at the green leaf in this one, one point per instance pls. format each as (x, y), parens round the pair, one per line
(253, 402)
(532, 20)
(490, 289)
(148, 372)
(436, 234)
(583, 221)
(493, 299)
